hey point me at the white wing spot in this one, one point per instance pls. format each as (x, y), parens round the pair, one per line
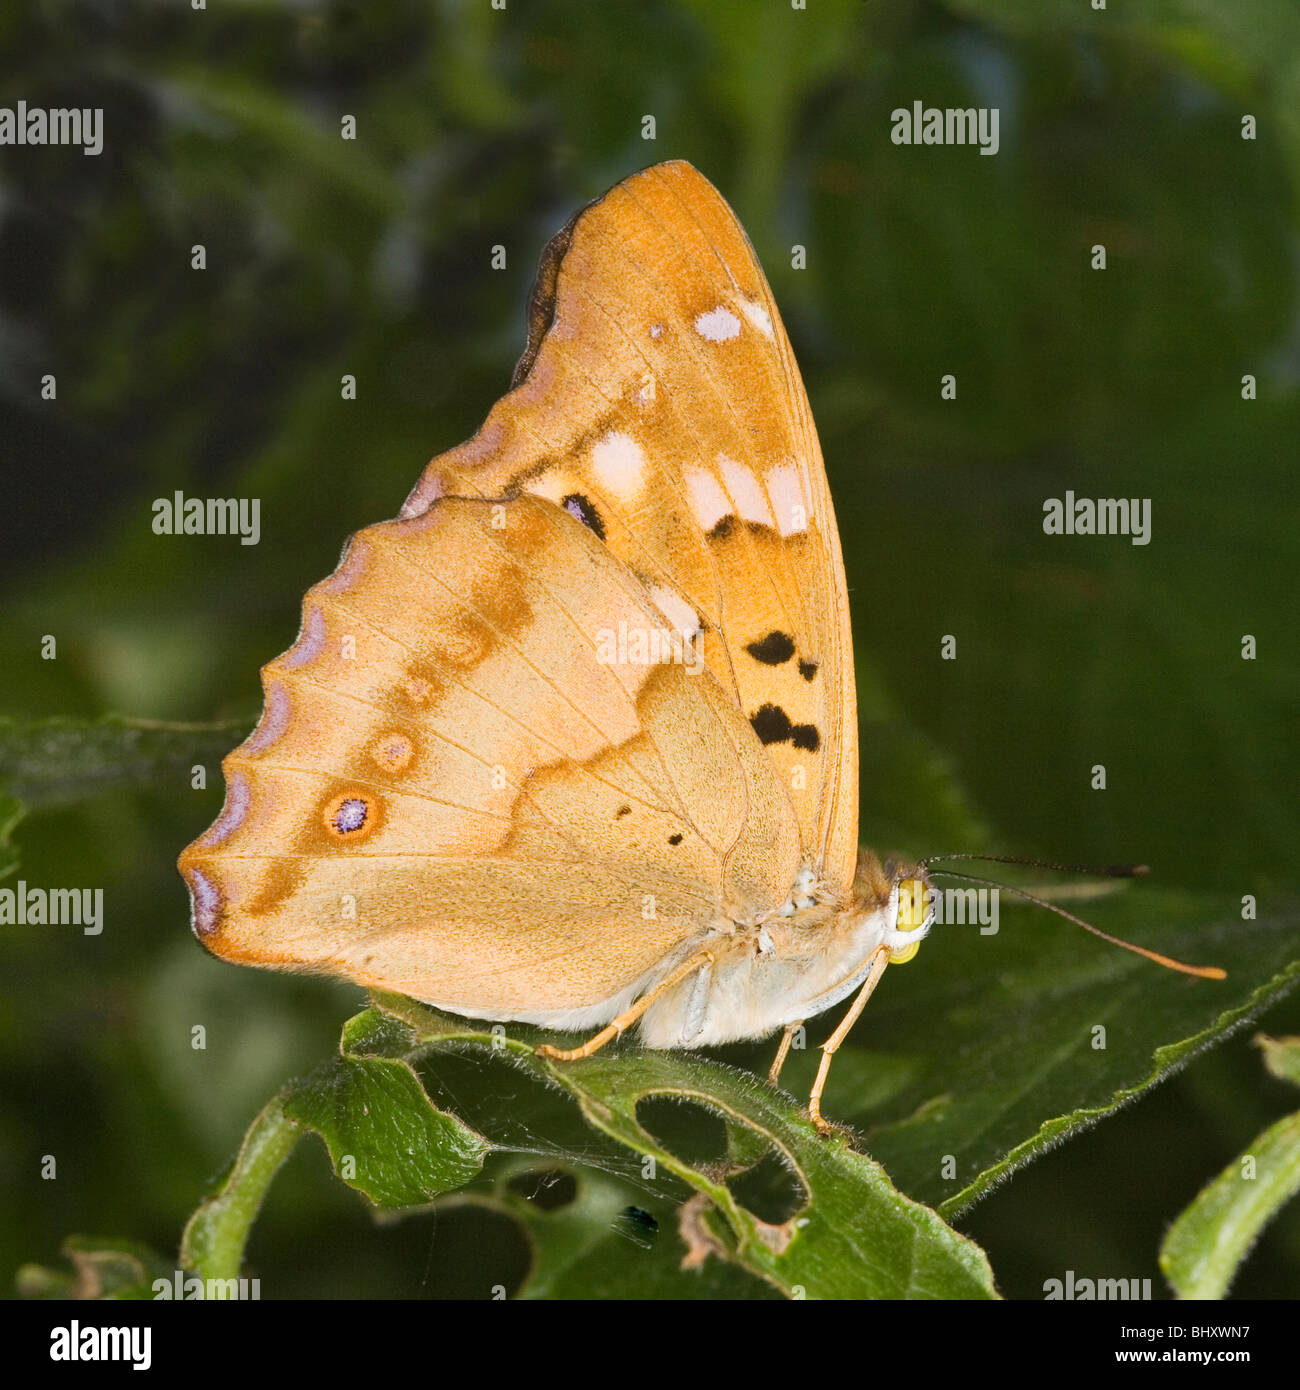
(744, 488)
(718, 325)
(675, 608)
(708, 501)
(656, 330)
(757, 315)
(786, 491)
(619, 462)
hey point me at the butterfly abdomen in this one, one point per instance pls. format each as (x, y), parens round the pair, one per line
(767, 976)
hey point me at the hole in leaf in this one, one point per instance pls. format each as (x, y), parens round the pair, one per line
(548, 1189)
(695, 1135)
(769, 1190)
(473, 1252)
(512, 1109)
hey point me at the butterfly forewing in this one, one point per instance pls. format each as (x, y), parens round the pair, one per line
(661, 406)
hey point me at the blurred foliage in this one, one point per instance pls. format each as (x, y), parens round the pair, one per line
(478, 127)
(1205, 1246)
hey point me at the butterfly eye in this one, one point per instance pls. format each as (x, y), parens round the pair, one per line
(911, 904)
(913, 916)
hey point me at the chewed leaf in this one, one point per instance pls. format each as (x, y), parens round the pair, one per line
(384, 1136)
(385, 1139)
(856, 1237)
(590, 1231)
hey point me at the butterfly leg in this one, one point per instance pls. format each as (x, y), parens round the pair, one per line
(629, 1015)
(774, 1076)
(832, 1044)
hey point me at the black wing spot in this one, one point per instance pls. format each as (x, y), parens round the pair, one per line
(807, 669)
(622, 811)
(772, 725)
(774, 650)
(806, 736)
(723, 528)
(581, 507)
(675, 839)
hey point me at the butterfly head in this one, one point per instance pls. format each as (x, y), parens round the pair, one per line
(910, 905)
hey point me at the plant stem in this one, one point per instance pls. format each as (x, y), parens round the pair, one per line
(215, 1235)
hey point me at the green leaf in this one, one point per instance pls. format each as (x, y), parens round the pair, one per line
(853, 1235)
(1207, 1243)
(984, 1052)
(385, 1137)
(1281, 1057)
(51, 762)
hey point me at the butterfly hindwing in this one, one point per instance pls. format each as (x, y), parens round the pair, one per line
(471, 785)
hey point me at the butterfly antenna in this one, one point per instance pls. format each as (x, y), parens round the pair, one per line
(1095, 870)
(1205, 972)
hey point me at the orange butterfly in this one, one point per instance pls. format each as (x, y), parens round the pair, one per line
(573, 741)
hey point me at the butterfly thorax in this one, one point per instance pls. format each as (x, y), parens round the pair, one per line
(793, 963)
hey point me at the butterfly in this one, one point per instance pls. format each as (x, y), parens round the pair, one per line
(572, 741)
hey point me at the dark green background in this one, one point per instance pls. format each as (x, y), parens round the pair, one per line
(324, 257)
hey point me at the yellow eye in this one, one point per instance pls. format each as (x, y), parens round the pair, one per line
(912, 913)
(911, 904)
